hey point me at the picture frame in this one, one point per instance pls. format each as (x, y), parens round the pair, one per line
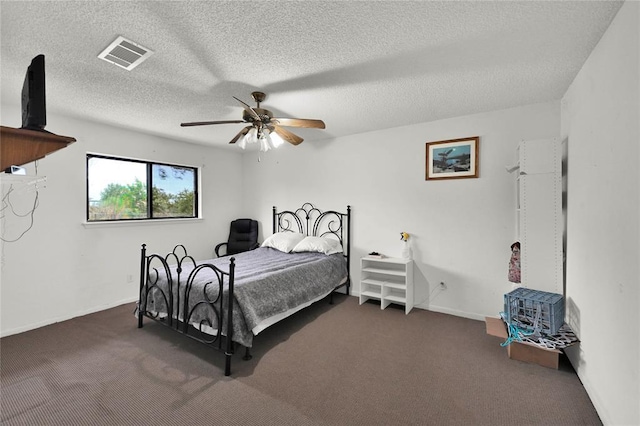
(452, 159)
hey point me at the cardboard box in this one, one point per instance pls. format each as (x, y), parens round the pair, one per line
(523, 351)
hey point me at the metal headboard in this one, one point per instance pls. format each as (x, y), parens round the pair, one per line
(311, 221)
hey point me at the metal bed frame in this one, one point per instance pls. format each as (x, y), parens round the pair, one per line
(307, 220)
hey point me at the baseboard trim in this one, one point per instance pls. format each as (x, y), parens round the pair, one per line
(44, 323)
(454, 312)
(443, 310)
(5, 333)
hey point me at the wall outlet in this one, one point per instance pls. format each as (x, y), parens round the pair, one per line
(129, 278)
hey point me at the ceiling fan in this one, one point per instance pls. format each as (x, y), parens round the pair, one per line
(262, 125)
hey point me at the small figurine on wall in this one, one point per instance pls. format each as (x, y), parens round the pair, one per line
(514, 263)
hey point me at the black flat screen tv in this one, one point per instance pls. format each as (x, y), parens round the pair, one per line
(34, 109)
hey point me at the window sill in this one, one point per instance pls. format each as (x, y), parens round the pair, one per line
(140, 222)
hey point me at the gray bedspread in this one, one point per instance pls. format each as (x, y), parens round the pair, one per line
(267, 282)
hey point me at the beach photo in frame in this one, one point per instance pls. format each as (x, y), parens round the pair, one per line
(452, 159)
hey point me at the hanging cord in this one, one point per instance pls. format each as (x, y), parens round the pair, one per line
(6, 204)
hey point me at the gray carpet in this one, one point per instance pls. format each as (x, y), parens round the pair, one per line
(340, 364)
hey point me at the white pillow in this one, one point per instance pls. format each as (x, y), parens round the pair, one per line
(318, 244)
(283, 241)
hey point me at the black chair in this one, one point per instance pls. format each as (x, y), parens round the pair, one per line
(243, 236)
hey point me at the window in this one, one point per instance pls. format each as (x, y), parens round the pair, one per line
(125, 189)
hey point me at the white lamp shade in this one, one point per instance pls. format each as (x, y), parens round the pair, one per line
(252, 136)
(264, 145)
(264, 141)
(242, 143)
(267, 139)
(276, 140)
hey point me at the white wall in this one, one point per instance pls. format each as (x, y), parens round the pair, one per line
(461, 230)
(61, 269)
(600, 119)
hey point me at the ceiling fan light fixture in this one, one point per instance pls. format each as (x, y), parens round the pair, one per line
(274, 140)
(265, 141)
(252, 136)
(242, 143)
(264, 145)
(263, 137)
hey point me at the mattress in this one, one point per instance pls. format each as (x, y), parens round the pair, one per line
(269, 285)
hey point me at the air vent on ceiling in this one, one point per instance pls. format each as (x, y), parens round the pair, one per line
(125, 53)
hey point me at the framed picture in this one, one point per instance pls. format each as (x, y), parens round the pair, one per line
(452, 159)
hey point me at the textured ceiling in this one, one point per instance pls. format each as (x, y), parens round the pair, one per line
(357, 65)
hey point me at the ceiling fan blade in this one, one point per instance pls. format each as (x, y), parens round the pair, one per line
(248, 108)
(205, 123)
(240, 134)
(287, 135)
(300, 122)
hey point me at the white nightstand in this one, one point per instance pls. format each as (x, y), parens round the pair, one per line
(389, 280)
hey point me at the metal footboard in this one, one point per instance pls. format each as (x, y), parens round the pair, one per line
(168, 298)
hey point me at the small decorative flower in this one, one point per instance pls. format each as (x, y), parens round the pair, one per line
(404, 236)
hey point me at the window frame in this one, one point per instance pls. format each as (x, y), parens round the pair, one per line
(149, 176)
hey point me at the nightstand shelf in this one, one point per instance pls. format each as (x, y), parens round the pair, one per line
(389, 280)
(384, 271)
